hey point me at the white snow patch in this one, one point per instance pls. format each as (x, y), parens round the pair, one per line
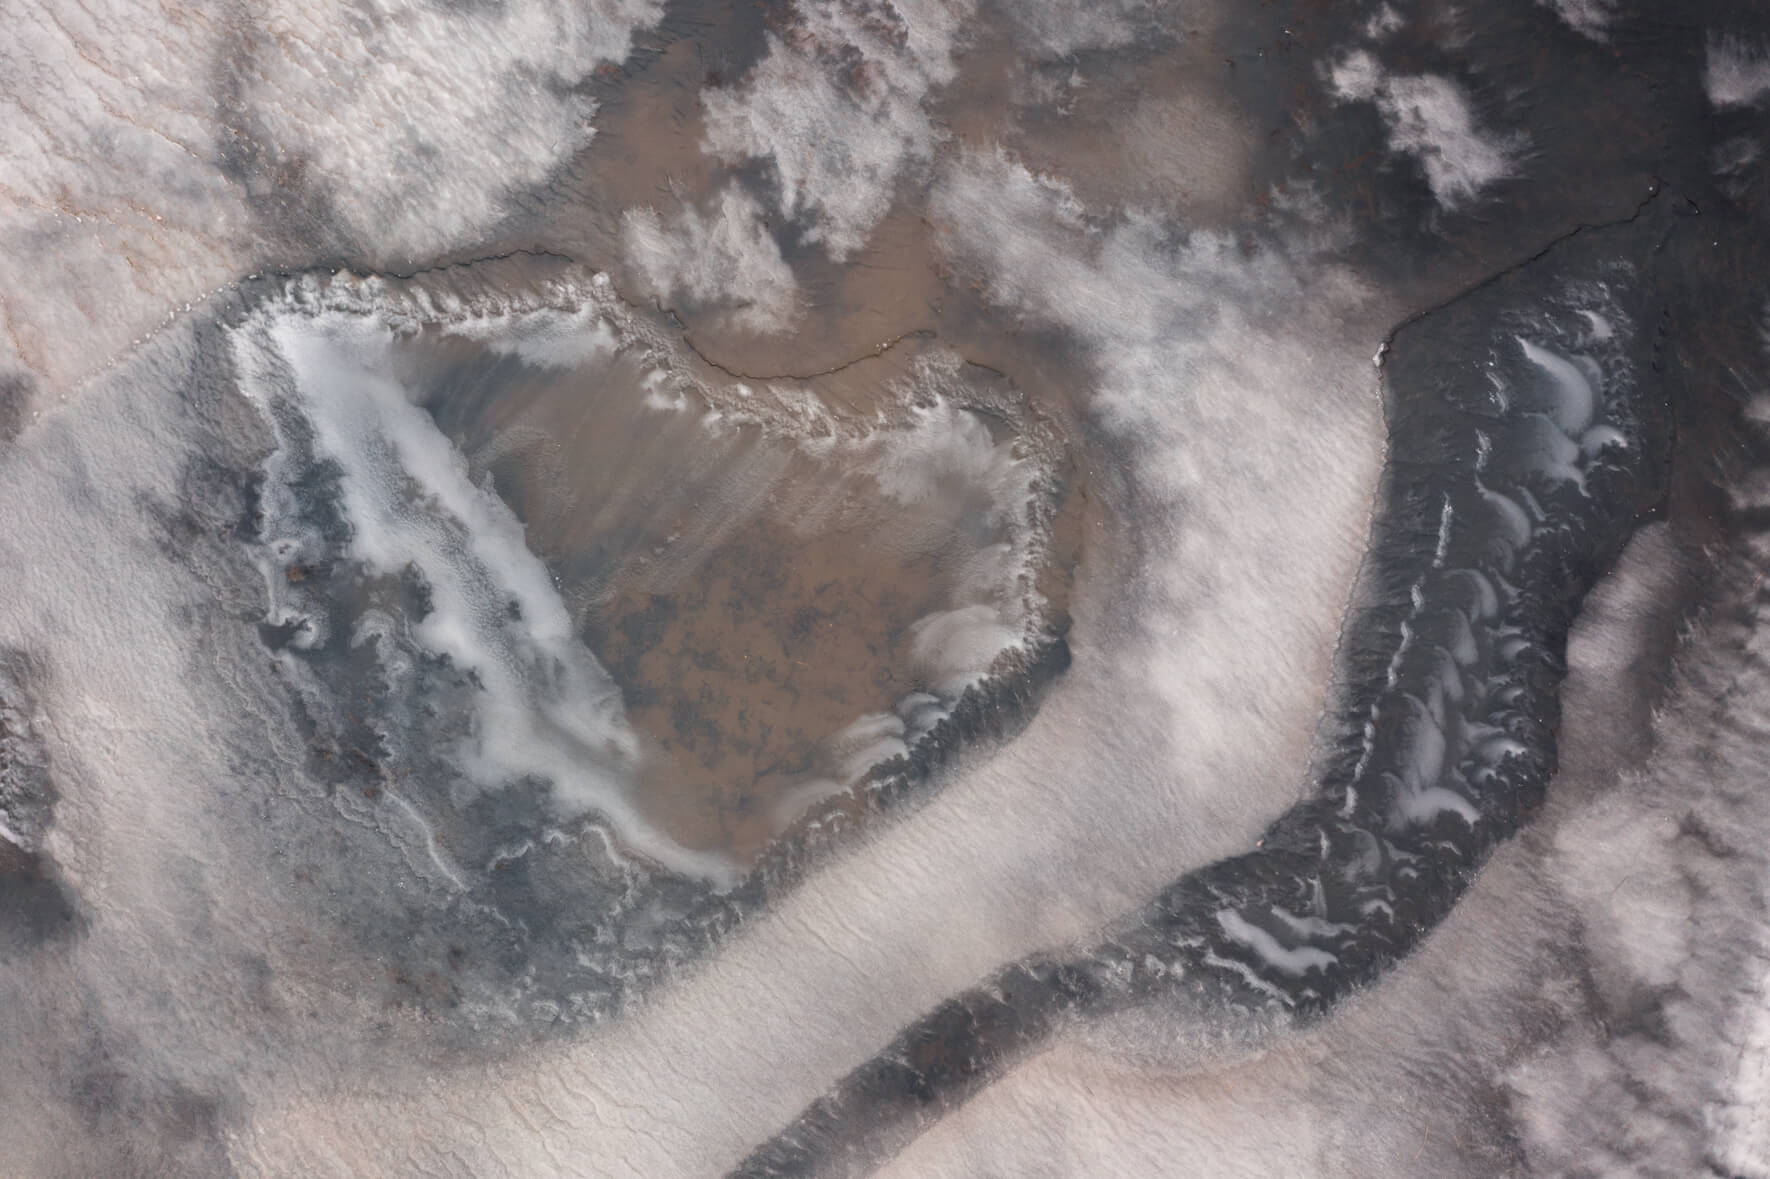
(1736, 73)
(1429, 118)
(1588, 18)
(836, 110)
(546, 337)
(1294, 961)
(419, 120)
(724, 258)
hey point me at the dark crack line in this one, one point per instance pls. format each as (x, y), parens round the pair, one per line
(536, 252)
(878, 350)
(543, 254)
(1656, 190)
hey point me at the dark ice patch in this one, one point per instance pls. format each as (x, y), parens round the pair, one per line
(1442, 739)
(36, 905)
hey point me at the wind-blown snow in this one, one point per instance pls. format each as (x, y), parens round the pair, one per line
(1429, 118)
(1737, 72)
(836, 110)
(725, 258)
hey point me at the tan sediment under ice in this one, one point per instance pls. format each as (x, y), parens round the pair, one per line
(789, 581)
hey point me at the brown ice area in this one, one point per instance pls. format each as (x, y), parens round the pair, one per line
(1127, 131)
(788, 580)
(742, 639)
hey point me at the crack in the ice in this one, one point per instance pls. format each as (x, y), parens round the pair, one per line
(1656, 189)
